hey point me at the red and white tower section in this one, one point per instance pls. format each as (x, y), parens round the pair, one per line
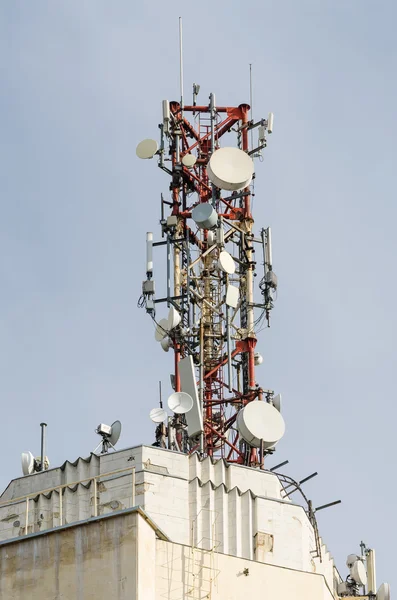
(205, 306)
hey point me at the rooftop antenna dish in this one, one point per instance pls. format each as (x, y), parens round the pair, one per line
(174, 318)
(205, 216)
(260, 421)
(230, 169)
(383, 592)
(158, 415)
(226, 263)
(28, 463)
(180, 403)
(358, 573)
(146, 149)
(189, 160)
(110, 436)
(161, 330)
(166, 343)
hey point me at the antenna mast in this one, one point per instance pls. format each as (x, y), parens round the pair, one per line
(212, 257)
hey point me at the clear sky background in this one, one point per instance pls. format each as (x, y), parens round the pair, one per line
(81, 85)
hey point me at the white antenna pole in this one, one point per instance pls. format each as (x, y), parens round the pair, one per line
(371, 571)
(269, 248)
(149, 253)
(251, 111)
(181, 60)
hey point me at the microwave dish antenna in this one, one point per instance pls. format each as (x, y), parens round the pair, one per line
(383, 592)
(230, 169)
(205, 216)
(166, 343)
(180, 403)
(161, 330)
(158, 415)
(146, 149)
(260, 421)
(189, 160)
(358, 573)
(174, 318)
(226, 263)
(110, 436)
(28, 463)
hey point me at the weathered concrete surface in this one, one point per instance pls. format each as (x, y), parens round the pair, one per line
(95, 560)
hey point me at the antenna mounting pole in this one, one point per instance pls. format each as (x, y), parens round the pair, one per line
(43, 427)
(181, 60)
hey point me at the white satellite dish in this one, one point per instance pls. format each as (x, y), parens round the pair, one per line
(189, 160)
(174, 318)
(115, 432)
(277, 402)
(161, 330)
(351, 559)
(158, 415)
(205, 216)
(358, 572)
(146, 149)
(180, 402)
(166, 343)
(383, 592)
(260, 421)
(28, 463)
(226, 263)
(230, 169)
(258, 358)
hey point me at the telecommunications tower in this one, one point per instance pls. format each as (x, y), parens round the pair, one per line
(212, 257)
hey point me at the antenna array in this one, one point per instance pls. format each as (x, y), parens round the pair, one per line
(212, 255)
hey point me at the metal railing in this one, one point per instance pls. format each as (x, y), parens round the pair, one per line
(59, 488)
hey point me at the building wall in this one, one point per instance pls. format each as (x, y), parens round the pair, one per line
(233, 509)
(183, 574)
(97, 560)
(119, 558)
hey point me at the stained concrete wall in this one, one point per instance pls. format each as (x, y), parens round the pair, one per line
(183, 574)
(95, 560)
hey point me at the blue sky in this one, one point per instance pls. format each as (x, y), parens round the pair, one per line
(82, 84)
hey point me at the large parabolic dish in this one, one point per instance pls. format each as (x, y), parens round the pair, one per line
(230, 169)
(260, 421)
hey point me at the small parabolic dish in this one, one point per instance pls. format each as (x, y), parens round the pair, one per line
(161, 330)
(358, 572)
(230, 169)
(146, 149)
(115, 433)
(260, 421)
(189, 160)
(258, 359)
(174, 318)
(27, 460)
(180, 402)
(383, 592)
(158, 415)
(166, 343)
(205, 216)
(226, 263)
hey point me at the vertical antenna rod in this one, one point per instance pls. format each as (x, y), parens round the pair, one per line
(251, 111)
(43, 426)
(181, 60)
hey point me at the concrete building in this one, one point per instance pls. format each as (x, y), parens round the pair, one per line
(147, 523)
